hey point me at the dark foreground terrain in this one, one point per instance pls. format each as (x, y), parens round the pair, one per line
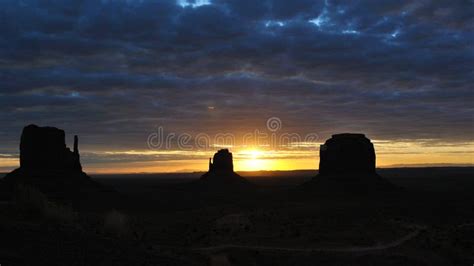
(156, 219)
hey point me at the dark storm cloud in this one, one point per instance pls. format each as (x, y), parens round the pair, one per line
(111, 70)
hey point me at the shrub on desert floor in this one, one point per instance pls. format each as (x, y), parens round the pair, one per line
(120, 225)
(33, 203)
(117, 224)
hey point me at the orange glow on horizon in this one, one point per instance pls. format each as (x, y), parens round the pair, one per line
(389, 153)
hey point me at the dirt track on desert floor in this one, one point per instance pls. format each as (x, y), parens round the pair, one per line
(350, 249)
(395, 243)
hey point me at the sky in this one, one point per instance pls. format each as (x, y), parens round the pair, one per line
(119, 72)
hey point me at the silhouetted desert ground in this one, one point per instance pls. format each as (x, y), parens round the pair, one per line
(155, 219)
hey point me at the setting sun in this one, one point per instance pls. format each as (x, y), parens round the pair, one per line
(251, 160)
(267, 160)
(253, 154)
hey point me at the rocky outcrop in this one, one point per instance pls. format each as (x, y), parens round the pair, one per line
(346, 169)
(44, 149)
(221, 177)
(49, 165)
(347, 153)
(222, 162)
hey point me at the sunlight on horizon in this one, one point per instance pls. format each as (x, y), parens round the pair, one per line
(389, 153)
(251, 160)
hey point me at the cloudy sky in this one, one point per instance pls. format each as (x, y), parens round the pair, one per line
(115, 71)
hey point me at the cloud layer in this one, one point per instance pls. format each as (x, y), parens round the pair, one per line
(112, 70)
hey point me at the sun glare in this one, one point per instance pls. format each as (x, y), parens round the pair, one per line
(254, 164)
(251, 160)
(252, 154)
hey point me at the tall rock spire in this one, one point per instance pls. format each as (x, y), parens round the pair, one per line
(76, 144)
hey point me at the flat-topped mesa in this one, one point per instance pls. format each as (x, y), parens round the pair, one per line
(347, 153)
(222, 162)
(43, 149)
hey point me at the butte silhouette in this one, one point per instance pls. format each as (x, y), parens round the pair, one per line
(221, 176)
(347, 166)
(48, 164)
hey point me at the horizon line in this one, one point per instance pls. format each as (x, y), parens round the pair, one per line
(395, 166)
(188, 171)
